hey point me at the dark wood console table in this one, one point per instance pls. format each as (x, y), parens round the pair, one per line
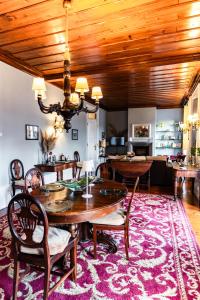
(57, 167)
(188, 172)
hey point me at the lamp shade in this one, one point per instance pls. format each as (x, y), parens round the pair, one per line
(87, 166)
(42, 94)
(38, 84)
(96, 92)
(81, 85)
(74, 99)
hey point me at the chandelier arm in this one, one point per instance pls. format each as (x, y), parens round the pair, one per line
(80, 107)
(49, 109)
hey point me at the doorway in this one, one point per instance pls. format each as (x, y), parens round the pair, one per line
(92, 140)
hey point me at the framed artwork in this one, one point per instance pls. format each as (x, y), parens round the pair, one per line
(31, 132)
(141, 131)
(74, 134)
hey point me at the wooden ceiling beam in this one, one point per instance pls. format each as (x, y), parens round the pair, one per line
(139, 66)
(19, 64)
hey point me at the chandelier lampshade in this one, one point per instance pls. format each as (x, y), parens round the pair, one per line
(96, 93)
(81, 85)
(74, 99)
(39, 87)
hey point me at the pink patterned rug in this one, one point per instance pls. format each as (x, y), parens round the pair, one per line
(164, 260)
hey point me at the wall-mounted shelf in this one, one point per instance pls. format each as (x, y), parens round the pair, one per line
(168, 138)
(168, 147)
(165, 131)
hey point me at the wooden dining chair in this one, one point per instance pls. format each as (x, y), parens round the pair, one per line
(104, 170)
(17, 176)
(78, 167)
(37, 244)
(33, 179)
(115, 221)
(76, 156)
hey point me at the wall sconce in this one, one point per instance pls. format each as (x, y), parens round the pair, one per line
(58, 125)
(192, 123)
(183, 127)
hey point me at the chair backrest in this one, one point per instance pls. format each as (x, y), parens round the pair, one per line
(131, 169)
(16, 169)
(33, 179)
(131, 199)
(104, 171)
(76, 156)
(24, 214)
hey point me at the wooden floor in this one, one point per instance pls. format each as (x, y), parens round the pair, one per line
(189, 200)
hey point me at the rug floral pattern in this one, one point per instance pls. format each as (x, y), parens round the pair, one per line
(164, 260)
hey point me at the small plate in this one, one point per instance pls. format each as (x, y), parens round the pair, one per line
(110, 192)
(52, 187)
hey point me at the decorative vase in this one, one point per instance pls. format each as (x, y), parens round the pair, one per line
(45, 158)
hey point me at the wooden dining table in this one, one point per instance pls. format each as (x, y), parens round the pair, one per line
(69, 208)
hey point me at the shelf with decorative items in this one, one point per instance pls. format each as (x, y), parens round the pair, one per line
(166, 147)
(168, 138)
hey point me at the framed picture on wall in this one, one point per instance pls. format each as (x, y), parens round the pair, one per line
(74, 134)
(141, 131)
(31, 132)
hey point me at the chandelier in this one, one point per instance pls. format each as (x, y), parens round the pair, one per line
(73, 103)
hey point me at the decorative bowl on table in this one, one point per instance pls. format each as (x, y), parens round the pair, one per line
(52, 187)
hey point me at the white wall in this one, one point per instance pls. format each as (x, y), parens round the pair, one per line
(175, 114)
(17, 108)
(142, 115)
(102, 122)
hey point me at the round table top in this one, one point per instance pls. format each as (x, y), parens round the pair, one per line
(66, 207)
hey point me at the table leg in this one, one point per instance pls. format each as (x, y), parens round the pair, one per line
(73, 229)
(85, 234)
(175, 187)
(149, 181)
(110, 245)
(193, 180)
(85, 231)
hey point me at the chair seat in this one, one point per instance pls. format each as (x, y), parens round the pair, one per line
(20, 182)
(115, 218)
(58, 240)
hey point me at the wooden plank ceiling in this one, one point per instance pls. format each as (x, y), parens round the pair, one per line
(141, 52)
